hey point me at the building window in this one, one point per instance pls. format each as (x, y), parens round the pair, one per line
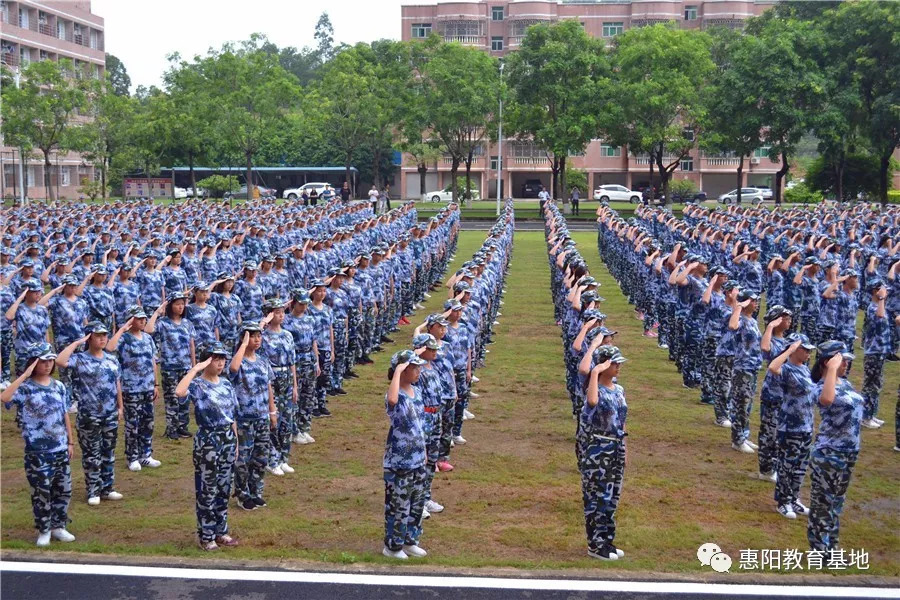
(30, 176)
(497, 43)
(97, 72)
(690, 13)
(44, 55)
(762, 152)
(23, 18)
(687, 163)
(66, 178)
(576, 153)
(24, 56)
(612, 29)
(4, 11)
(495, 163)
(688, 133)
(496, 13)
(421, 30)
(60, 29)
(610, 151)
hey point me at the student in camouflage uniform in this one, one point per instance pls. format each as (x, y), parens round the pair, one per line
(302, 327)
(324, 321)
(215, 444)
(174, 335)
(602, 451)
(404, 459)
(837, 444)
(96, 382)
(339, 301)
(876, 348)
(747, 362)
(42, 404)
(436, 324)
(724, 361)
(429, 386)
(794, 423)
(278, 349)
(251, 376)
(778, 321)
(136, 352)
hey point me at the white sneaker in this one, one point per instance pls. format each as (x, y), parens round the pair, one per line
(43, 540)
(475, 379)
(425, 514)
(601, 556)
(275, 471)
(74, 408)
(666, 347)
(474, 395)
(495, 323)
(743, 448)
(767, 476)
(452, 444)
(414, 551)
(152, 462)
(134, 465)
(62, 535)
(459, 440)
(94, 501)
(287, 468)
(799, 508)
(751, 444)
(870, 424)
(399, 554)
(309, 439)
(432, 506)
(299, 438)
(427, 295)
(877, 420)
(113, 496)
(467, 415)
(786, 511)
(724, 423)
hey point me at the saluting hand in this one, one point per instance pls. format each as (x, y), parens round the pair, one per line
(834, 362)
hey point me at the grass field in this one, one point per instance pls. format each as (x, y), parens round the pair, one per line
(514, 499)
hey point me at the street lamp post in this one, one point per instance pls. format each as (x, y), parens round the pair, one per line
(500, 143)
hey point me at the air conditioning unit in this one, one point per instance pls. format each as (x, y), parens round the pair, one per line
(754, 161)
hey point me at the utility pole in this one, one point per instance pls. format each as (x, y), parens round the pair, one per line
(500, 143)
(21, 174)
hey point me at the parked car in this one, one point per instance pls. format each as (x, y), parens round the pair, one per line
(294, 193)
(748, 194)
(793, 183)
(242, 193)
(531, 188)
(691, 198)
(767, 192)
(180, 192)
(446, 195)
(616, 192)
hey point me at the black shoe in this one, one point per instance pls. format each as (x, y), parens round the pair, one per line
(316, 413)
(351, 375)
(893, 358)
(173, 436)
(331, 393)
(247, 504)
(324, 413)
(378, 349)
(385, 339)
(259, 502)
(365, 360)
(185, 434)
(340, 392)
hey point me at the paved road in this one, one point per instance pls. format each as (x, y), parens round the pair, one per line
(151, 583)
(468, 225)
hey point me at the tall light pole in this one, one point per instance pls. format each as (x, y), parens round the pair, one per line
(500, 142)
(18, 80)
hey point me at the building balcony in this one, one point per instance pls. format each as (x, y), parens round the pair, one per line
(466, 40)
(9, 59)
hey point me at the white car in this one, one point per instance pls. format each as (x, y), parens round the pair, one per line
(180, 192)
(446, 195)
(606, 193)
(767, 192)
(294, 193)
(748, 194)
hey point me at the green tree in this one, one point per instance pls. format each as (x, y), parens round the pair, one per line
(108, 132)
(117, 75)
(324, 36)
(558, 83)
(460, 90)
(149, 134)
(414, 134)
(660, 81)
(219, 185)
(38, 114)
(858, 178)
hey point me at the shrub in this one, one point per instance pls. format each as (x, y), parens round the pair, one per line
(218, 185)
(801, 194)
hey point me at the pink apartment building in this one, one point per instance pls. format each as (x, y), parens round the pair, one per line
(49, 30)
(498, 26)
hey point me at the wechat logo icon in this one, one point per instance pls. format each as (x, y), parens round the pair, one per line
(710, 555)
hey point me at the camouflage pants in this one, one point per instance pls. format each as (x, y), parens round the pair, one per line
(340, 354)
(448, 417)
(809, 325)
(792, 461)
(707, 369)
(254, 439)
(214, 463)
(830, 478)
(97, 439)
(743, 390)
(138, 425)
(323, 381)
(721, 386)
(873, 380)
(768, 436)
(462, 401)
(367, 331)
(354, 340)
(692, 360)
(283, 389)
(6, 348)
(404, 500)
(50, 477)
(432, 426)
(602, 466)
(177, 409)
(306, 396)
